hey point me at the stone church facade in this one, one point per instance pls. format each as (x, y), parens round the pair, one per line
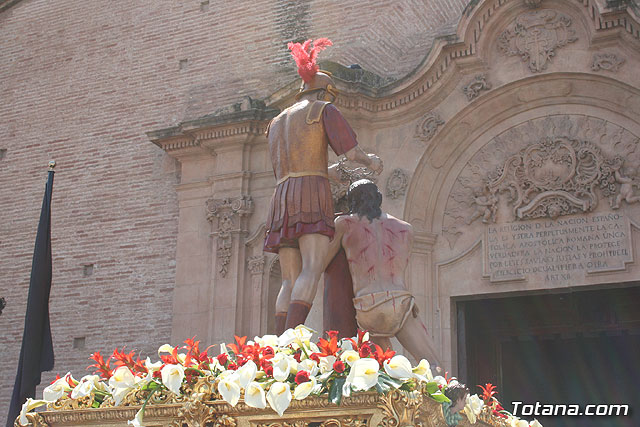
(510, 138)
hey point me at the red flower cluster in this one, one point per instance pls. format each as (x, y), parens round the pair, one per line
(242, 353)
(488, 395)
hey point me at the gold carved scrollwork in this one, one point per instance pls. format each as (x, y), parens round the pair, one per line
(35, 420)
(345, 422)
(401, 409)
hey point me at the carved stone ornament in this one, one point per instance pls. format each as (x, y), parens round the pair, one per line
(536, 36)
(347, 175)
(397, 183)
(428, 126)
(255, 264)
(557, 176)
(229, 214)
(606, 61)
(474, 88)
(544, 168)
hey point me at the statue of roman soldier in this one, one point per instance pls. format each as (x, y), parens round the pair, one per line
(300, 222)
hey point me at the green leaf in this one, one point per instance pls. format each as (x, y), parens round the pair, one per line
(440, 397)
(335, 390)
(432, 387)
(388, 381)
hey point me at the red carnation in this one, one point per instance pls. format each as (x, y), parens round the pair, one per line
(338, 366)
(222, 358)
(267, 351)
(302, 377)
(365, 350)
(232, 366)
(268, 370)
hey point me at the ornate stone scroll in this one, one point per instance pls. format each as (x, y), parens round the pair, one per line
(428, 126)
(536, 36)
(556, 176)
(228, 213)
(545, 168)
(606, 61)
(255, 264)
(473, 89)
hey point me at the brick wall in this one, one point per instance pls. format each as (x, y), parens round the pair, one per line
(82, 81)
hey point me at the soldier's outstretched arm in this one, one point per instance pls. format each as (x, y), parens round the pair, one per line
(356, 154)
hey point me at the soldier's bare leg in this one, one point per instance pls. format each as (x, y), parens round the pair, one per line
(414, 337)
(290, 267)
(313, 250)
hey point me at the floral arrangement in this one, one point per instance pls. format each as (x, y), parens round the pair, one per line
(269, 370)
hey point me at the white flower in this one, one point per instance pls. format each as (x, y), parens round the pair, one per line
(120, 383)
(473, 407)
(326, 364)
(57, 389)
(440, 380)
(363, 374)
(255, 396)
(229, 389)
(165, 348)
(535, 423)
(423, 370)
(301, 335)
(85, 386)
(304, 389)
(282, 364)
(29, 405)
(398, 367)
(279, 397)
(349, 356)
(247, 373)
(267, 341)
(137, 421)
(152, 367)
(308, 365)
(517, 422)
(172, 376)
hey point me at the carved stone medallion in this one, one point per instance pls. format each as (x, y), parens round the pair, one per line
(536, 36)
(606, 61)
(428, 126)
(474, 88)
(397, 183)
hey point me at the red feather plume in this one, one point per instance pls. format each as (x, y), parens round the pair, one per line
(305, 56)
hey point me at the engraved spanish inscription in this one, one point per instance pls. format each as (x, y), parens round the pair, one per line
(561, 250)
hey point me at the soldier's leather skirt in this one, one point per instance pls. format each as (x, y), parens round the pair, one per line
(299, 205)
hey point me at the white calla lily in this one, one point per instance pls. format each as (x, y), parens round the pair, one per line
(364, 374)
(300, 335)
(57, 389)
(423, 370)
(473, 407)
(304, 389)
(350, 357)
(255, 396)
(279, 397)
(28, 406)
(398, 367)
(308, 365)
(326, 364)
(247, 373)
(85, 386)
(152, 367)
(517, 422)
(535, 423)
(172, 376)
(281, 366)
(137, 421)
(165, 348)
(229, 389)
(440, 380)
(267, 341)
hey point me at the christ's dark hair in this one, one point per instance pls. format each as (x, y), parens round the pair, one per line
(365, 199)
(456, 391)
